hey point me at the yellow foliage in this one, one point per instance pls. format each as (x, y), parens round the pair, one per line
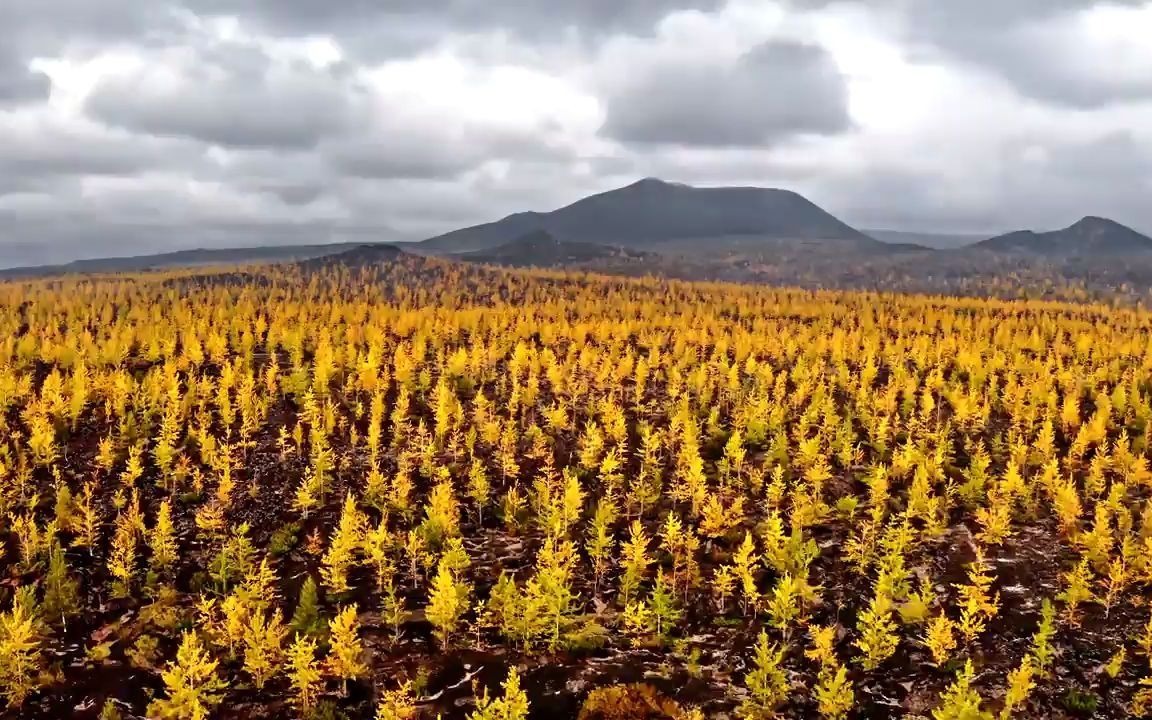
(192, 684)
(20, 655)
(346, 656)
(304, 672)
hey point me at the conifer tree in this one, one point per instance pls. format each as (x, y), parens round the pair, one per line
(878, 639)
(263, 646)
(20, 654)
(306, 619)
(397, 704)
(447, 602)
(1020, 684)
(766, 683)
(304, 672)
(346, 656)
(479, 488)
(513, 705)
(345, 547)
(122, 560)
(61, 590)
(162, 539)
(961, 701)
(191, 682)
(635, 562)
(940, 639)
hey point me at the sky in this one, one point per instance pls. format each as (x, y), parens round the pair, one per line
(131, 126)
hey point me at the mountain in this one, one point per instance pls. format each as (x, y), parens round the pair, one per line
(651, 212)
(540, 248)
(184, 258)
(936, 241)
(355, 256)
(1091, 237)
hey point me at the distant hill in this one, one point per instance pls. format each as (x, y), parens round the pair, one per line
(355, 256)
(1092, 237)
(651, 212)
(936, 241)
(184, 258)
(542, 249)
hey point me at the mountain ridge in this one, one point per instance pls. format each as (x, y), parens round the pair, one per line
(1090, 236)
(184, 258)
(650, 211)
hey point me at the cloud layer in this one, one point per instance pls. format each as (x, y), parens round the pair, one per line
(139, 126)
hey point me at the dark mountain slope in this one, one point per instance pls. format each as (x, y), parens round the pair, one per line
(184, 258)
(356, 256)
(1090, 237)
(651, 212)
(542, 249)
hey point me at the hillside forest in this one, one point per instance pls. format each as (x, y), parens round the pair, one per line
(426, 489)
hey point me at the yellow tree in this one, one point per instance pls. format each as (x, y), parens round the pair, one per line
(304, 672)
(192, 684)
(345, 547)
(263, 646)
(20, 655)
(346, 656)
(162, 540)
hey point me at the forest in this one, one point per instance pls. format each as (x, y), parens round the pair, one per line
(422, 489)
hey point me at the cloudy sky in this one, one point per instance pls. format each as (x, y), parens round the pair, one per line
(142, 125)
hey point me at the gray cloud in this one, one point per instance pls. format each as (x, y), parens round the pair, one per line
(228, 94)
(1109, 175)
(778, 89)
(1042, 67)
(1040, 185)
(388, 160)
(45, 26)
(18, 83)
(395, 147)
(48, 151)
(1023, 42)
(408, 19)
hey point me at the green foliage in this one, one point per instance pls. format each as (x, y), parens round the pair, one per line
(307, 619)
(283, 539)
(144, 652)
(1079, 701)
(61, 590)
(587, 637)
(543, 609)
(235, 560)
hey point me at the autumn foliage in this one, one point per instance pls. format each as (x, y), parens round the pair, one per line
(307, 488)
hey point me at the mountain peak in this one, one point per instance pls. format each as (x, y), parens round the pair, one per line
(652, 211)
(1091, 235)
(652, 184)
(1094, 222)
